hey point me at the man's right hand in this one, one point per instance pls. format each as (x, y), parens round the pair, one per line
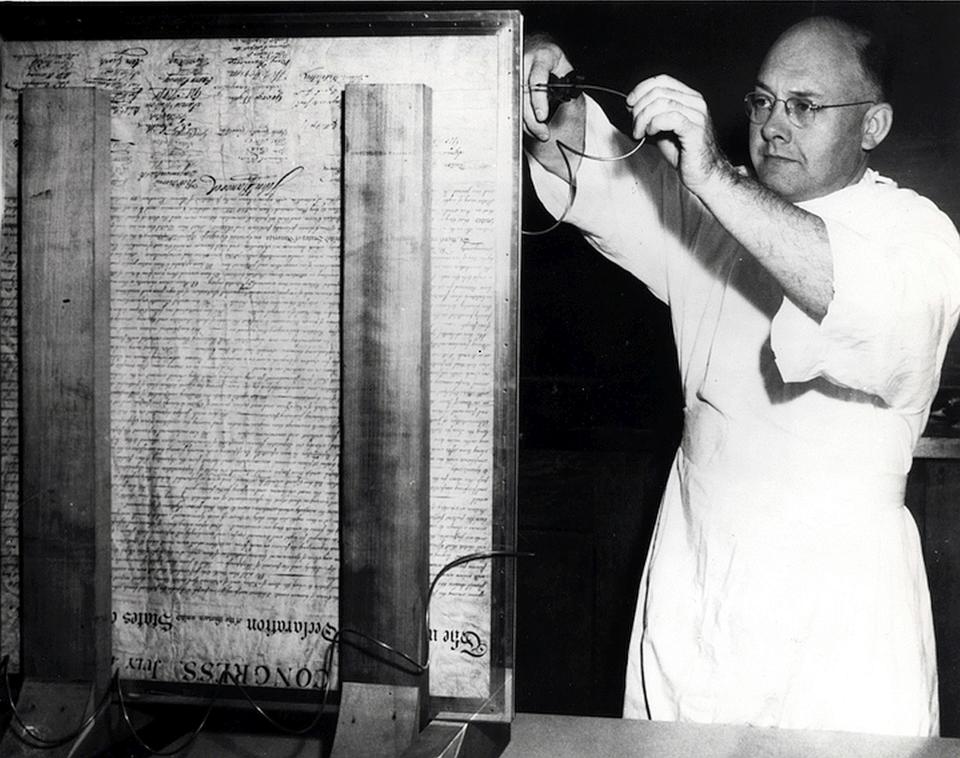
(541, 57)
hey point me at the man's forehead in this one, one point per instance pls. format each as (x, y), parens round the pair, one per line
(811, 59)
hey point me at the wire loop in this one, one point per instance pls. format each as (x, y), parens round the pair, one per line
(191, 738)
(29, 736)
(566, 151)
(332, 636)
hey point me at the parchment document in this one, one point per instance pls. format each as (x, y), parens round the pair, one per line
(225, 266)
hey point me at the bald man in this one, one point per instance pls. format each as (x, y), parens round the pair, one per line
(811, 302)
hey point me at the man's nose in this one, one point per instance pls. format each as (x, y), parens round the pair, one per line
(777, 123)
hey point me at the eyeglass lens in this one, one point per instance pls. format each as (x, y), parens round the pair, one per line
(759, 107)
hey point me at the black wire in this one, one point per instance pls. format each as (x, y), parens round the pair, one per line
(473, 557)
(29, 737)
(571, 196)
(191, 738)
(577, 86)
(565, 149)
(294, 731)
(334, 640)
(418, 668)
(459, 562)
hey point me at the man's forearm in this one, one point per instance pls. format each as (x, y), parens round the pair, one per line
(789, 242)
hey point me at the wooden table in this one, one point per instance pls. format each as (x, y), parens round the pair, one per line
(550, 736)
(547, 736)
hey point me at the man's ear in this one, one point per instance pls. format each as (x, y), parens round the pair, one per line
(876, 125)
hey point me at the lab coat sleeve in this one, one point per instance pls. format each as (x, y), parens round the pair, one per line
(895, 305)
(623, 208)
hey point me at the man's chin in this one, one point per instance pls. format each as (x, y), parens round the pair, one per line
(782, 179)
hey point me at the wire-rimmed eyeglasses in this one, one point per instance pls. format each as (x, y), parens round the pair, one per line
(801, 111)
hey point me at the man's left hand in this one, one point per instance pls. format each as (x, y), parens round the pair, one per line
(675, 115)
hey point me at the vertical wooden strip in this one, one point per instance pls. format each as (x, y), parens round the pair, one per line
(385, 451)
(103, 592)
(507, 370)
(65, 368)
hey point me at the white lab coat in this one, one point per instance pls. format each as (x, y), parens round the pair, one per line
(785, 584)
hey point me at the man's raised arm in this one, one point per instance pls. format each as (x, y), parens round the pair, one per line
(789, 242)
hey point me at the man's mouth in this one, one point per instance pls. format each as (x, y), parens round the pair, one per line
(776, 156)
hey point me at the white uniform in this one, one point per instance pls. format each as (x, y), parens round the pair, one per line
(785, 584)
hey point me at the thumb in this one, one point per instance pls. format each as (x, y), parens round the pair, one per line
(669, 148)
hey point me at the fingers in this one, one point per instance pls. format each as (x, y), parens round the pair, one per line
(677, 117)
(669, 115)
(663, 103)
(664, 82)
(541, 59)
(535, 102)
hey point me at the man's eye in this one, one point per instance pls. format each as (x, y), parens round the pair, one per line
(762, 101)
(802, 106)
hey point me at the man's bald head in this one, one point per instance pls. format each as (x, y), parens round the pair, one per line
(863, 46)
